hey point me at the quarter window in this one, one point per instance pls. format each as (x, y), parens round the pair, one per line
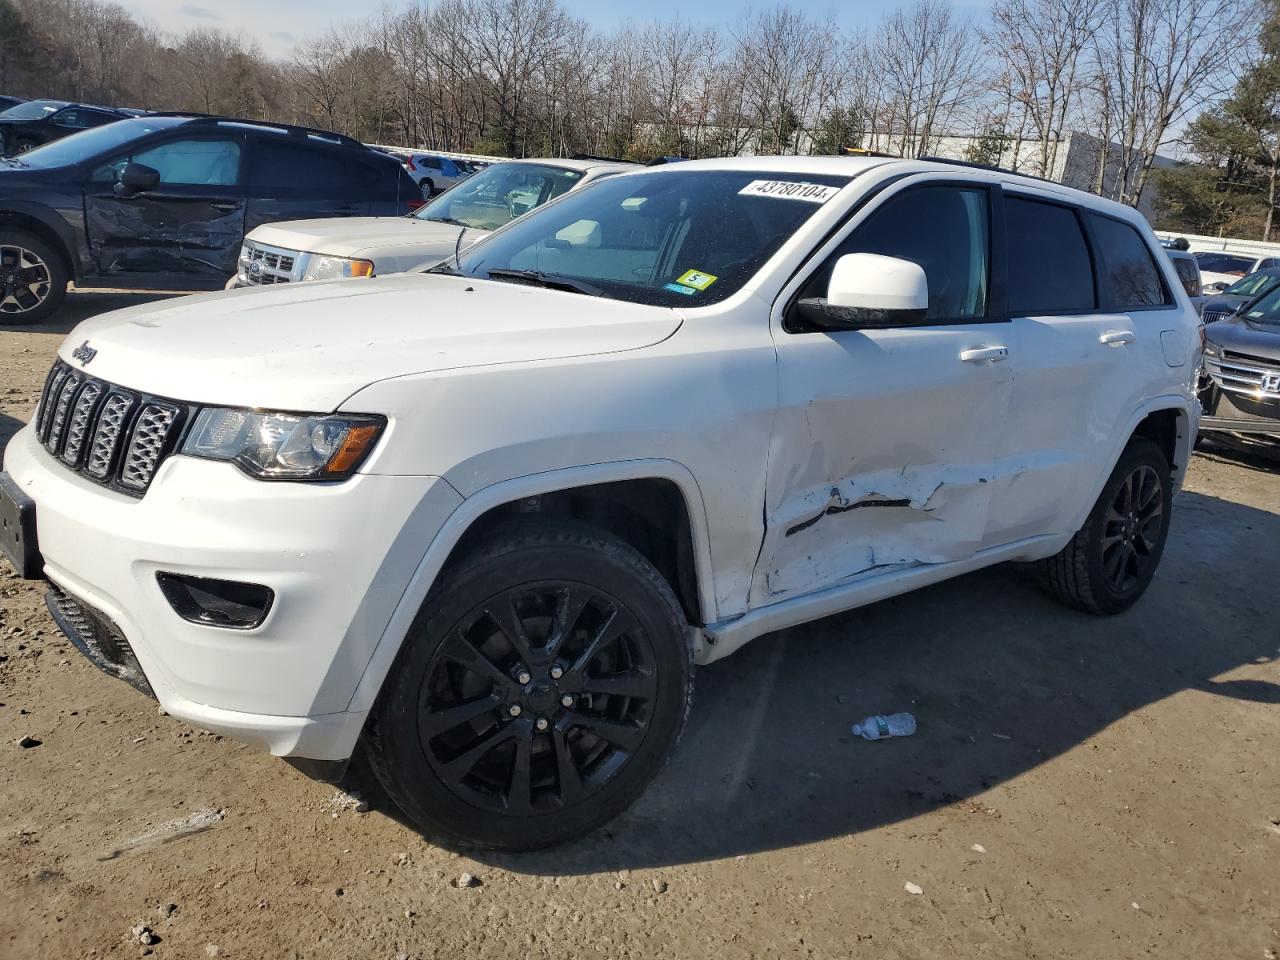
(278, 164)
(1049, 266)
(1129, 277)
(945, 230)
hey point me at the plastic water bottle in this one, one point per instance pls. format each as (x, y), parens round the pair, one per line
(882, 727)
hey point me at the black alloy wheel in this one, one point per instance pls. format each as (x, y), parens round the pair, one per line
(538, 698)
(543, 685)
(33, 278)
(1132, 529)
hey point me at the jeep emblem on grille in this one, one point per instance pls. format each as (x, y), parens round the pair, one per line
(1271, 383)
(84, 353)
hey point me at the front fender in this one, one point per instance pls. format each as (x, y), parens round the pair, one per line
(509, 491)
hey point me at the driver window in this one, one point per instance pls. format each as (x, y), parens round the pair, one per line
(945, 229)
(185, 162)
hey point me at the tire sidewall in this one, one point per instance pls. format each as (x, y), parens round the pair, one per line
(400, 762)
(1140, 452)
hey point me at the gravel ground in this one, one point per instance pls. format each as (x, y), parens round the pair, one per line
(1078, 787)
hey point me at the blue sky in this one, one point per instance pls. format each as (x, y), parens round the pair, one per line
(277, 25)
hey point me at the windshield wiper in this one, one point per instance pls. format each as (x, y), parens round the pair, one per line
(549, 280)
(449, 220)
(14, 161)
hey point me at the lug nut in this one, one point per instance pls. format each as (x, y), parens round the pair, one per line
(514, 710)
(541, 723)
(557, 672)
(566, 701)
(523, 677)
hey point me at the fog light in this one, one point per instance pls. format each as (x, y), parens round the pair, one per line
(217, 603)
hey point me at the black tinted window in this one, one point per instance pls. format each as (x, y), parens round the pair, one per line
(279, 164)
(1128, 274)
(1049, 266)
(1189, 274)
(944, 230)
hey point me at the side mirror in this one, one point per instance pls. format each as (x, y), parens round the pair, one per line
(869, 290)
(136, 178)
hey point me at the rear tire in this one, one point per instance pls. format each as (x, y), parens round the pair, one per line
(1110, 562)
(33, 278)
(543, 685)
(427, 186)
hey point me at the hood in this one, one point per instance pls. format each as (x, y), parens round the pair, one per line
(354, 236)
(1224, 301)
(1207, 277)
(309, 346)
(1238, 334)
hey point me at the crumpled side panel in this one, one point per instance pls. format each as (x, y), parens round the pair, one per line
(163, 235)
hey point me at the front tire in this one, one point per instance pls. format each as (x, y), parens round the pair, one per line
(543, 685)
(1111, 561)
(33, 278)
(428, 187)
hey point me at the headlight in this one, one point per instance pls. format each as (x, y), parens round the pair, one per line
(284, 446)
(1211, 349)
(335, 268)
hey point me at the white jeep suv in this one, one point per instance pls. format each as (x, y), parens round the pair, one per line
(480, 523)
(336, 247)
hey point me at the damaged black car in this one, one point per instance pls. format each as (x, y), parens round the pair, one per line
(163, 202)
(1240, 386)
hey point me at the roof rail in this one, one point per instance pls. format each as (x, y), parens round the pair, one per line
(287, 127)
(992, 167)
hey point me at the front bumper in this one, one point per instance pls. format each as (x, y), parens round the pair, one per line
(338, 556)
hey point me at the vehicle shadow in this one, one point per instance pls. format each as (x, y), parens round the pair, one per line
(83, 304)
(1000, 678)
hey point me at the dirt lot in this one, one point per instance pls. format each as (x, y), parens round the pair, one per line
(1077, 788)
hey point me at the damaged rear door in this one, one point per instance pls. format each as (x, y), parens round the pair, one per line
(187, 231)
(885, 445)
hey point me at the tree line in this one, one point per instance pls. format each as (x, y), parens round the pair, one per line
(525, 77)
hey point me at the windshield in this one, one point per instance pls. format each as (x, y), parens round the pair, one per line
(500, 193)
(1266, 310)
(1253, 285)
(33, 109)
(668, 238)
(1225, 263)
(90, 143)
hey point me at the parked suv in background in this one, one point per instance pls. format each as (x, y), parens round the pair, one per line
(1220, 269)
(164, 201)
(480, 523)
(1241, 391)
(323, 249)
(28, 125)
(1222, 305)
(434, 173)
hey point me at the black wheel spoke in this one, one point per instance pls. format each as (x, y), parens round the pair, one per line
(623, 735)
(435, 722)
(633, 683)
(457, 768)
(457, 649)
(503, 612)
(520, 790)
(573, 601)
(618, 623)
(567, 775)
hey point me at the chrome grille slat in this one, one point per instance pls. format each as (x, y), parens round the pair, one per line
(109, 434)
(1248, 378)
(272, 266)
(1212, 316)
(58, 422)
(150, 431)
(106, 436)
(81, 414)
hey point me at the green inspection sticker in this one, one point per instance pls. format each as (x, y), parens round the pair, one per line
(697, 279)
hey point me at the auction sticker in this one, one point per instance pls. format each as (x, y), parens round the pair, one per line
(789, 190)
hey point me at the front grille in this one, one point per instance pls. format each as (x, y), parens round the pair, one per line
(1213, 316)
(265, 265)
(111, 435)
(97, 637)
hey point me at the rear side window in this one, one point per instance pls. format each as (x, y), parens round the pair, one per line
(278, 164)
(1129, 277)
(1189, 274)
(1049, 266)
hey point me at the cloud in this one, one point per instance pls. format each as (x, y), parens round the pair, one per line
(282, 35)
(200, 13)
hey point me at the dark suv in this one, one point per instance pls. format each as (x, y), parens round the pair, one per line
(29, 125)
(163, 202)
(7, 102)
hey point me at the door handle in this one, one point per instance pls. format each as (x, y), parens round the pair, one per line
(978, 354)
(225, 206)
(1118, 338)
